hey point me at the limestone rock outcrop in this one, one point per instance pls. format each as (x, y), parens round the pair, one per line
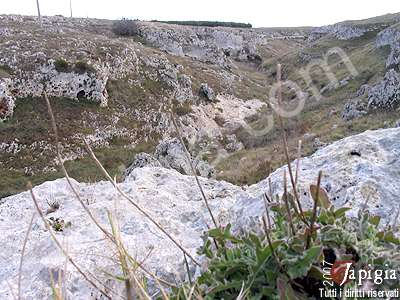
(68, 84)
(354, 169)
(340, 31)
(207, 92)
(390, 37)
(384, 95)
(60, 59)
(170, 154)
(353, 109)
(7, 100)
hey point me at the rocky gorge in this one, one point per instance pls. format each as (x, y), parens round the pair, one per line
(147, 104)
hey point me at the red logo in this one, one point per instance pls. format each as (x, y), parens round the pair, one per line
(340, 271)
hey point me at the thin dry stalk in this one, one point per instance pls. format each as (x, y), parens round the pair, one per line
(364, 206)
(162, 290)
(23, 254)
(58, 244)
(171, 285)
(191, 293)
(314, 214)
(139, 264)
(286, 148)
(266, 198)
(11, 290)
(64, 170)
(271, 192)
(57, 289)
(83, 204)
(189, 159)
(285, 200)
(187, 269)
(142, 290)
(298, 163)
(387, 226)
(70, 7)
(137, 206)
(267, 233)
(122, 259)
(275, 256)
(396, 218)
(242, 293)
(267, 210)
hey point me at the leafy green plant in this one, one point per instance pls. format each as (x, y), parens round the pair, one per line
(287, 260)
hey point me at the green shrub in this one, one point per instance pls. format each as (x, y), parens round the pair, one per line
(6, 69)
(208, 23)
(125, 27)
(82, 67)
(181, 109)
(62, 66)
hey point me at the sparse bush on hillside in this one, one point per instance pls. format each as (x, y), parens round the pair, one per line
(208, 23)
(181, 109)
(62, 65)
(125, 27)
(6, 69)
(82, 67)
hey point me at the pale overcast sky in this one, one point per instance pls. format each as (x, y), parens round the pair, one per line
(260, 13)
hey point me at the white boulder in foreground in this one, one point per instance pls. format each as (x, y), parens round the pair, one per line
(357, 169)
(366, 165)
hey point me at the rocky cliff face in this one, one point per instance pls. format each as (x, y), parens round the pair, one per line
(340, 31)
(33, 60)
(384, 95)
(390, 37)
(213, 45)
(357, 170)
(348, 30)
